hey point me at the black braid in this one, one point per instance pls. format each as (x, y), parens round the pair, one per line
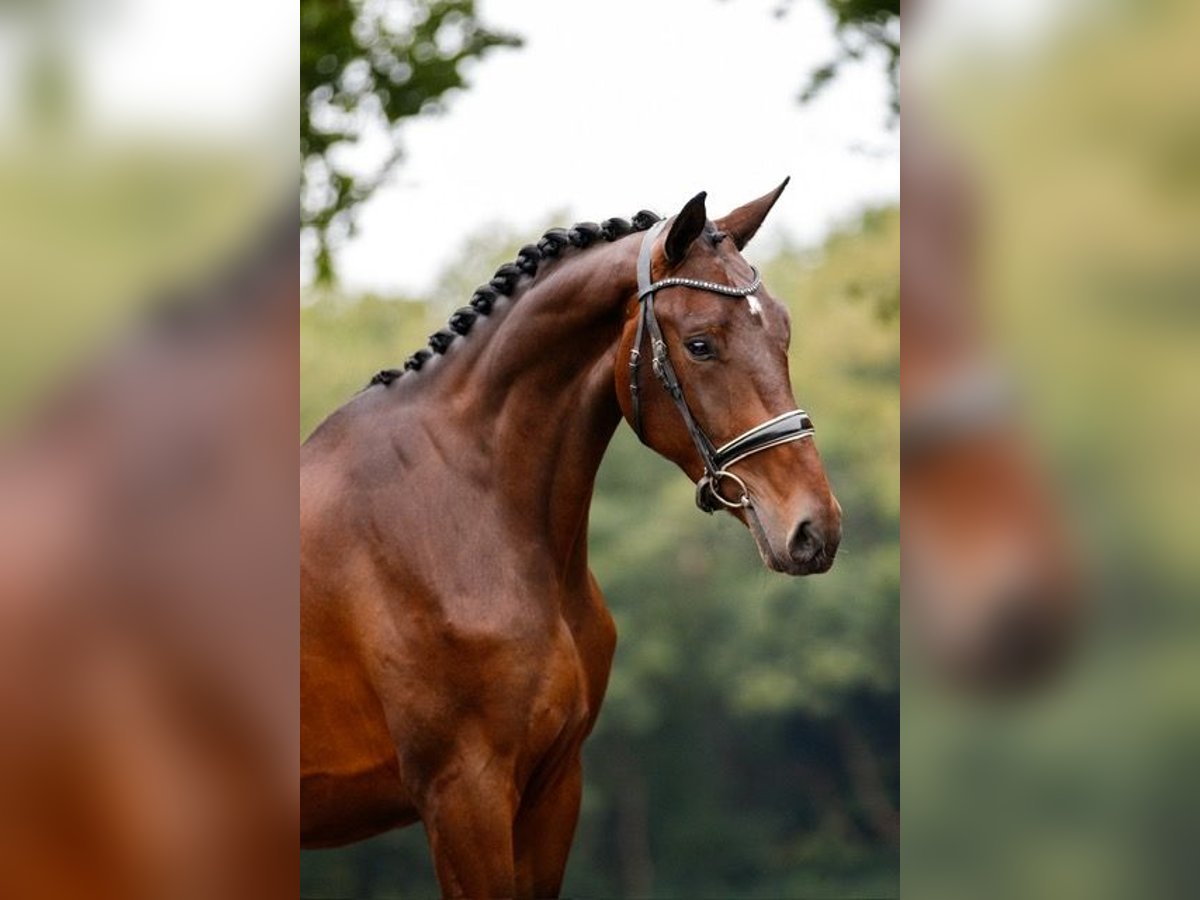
(504, 282)
(553, 241)
(462, 320)
(385, 377)
(506, 278)
(584, 234)
(418, 359)
(644, 219)
(528, 258)
(615, 228)
(440, 341)
(484, 299)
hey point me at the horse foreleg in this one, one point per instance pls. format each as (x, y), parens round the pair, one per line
(469, 822)
(544, 829)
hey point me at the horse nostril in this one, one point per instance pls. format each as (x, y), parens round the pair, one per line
(806, 542)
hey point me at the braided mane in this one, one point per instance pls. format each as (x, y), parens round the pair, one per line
(552, 244)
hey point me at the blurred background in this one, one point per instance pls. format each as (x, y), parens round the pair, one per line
(142, 144)
(749, 742)
(148, 413)
(1063, 141)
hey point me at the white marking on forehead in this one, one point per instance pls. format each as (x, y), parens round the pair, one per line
(755, 306)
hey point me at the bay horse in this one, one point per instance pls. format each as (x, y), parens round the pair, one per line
(455, 647)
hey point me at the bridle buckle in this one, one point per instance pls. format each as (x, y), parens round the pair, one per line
(708, 489)
(656, 361)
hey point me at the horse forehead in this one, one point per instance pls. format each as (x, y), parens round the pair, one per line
(723, 264)
(725, 261)
(730, 267)
(757, 317)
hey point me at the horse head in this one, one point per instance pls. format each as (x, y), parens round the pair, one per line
(714, 395)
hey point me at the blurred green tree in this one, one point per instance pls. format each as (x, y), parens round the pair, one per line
(366, 66)
(862, 26)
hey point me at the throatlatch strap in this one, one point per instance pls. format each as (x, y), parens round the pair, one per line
(644, 312)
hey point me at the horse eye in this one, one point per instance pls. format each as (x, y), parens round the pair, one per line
(699, 348)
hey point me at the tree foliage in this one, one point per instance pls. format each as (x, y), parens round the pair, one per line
(367, 65)
(862, 26)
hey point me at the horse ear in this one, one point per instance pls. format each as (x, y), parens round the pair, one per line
(743, 222)
(686, 228)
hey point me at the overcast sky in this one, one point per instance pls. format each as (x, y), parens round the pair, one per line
(611, 107)
(213, 70)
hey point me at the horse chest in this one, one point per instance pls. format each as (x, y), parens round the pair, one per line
(549, 684)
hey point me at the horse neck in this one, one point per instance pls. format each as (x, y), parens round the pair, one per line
(538, 393)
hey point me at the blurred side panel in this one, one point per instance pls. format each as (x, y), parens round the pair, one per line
(148, 414)
(1051, 326)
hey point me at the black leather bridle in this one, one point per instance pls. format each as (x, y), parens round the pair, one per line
(789, 426)
(973, 401)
